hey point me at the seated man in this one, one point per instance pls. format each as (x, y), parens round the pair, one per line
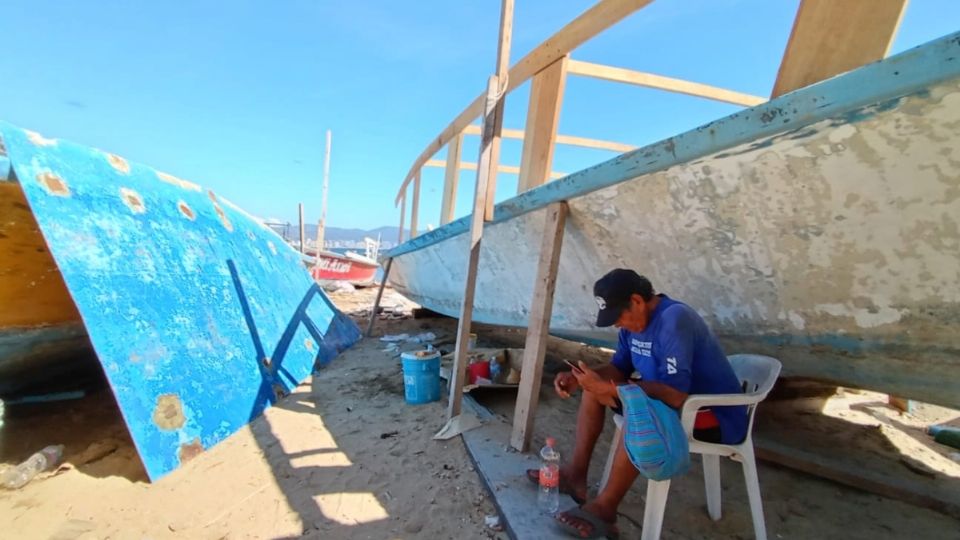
(675, 354)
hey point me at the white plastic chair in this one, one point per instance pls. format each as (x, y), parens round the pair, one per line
(757, 374)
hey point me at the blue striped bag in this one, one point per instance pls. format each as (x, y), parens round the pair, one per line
(653, 435)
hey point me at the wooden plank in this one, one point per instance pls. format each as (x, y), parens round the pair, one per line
(569, 140)
(831, 37)
(415, 206)
(376, 303)
(649, 80)
(598, 18)
(594, 143)
(403, 209)
(451, 179)
(543, 118)
(486, 171)
(471, 166)
(504, 476)
(541, 308)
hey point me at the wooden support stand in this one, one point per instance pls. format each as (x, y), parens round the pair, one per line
(415, 206)
(831, 37)
(376, 303)
(486, 175)
(451, 180)
(543, 117)
(541, 308)
(403, 210)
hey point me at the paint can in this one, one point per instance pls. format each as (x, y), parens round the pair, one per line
(421, 376)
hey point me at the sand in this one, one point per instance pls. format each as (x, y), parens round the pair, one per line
(345, 457)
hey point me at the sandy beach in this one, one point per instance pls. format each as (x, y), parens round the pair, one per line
(345, 457)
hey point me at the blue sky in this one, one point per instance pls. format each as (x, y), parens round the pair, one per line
(237, 95)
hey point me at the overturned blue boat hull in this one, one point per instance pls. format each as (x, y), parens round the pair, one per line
(200, 315)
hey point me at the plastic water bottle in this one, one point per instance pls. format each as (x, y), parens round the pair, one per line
(19, 476)
(548, 499)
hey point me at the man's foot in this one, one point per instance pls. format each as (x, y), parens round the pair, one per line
(576, 490)
(586, 522)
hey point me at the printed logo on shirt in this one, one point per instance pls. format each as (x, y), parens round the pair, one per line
(671, 365)
(641, 348)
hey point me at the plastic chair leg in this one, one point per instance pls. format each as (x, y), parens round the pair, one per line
(653, 511)
(711, 480)
(753, 491)
(609, 465)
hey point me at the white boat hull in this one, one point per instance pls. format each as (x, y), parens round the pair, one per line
(834, 246)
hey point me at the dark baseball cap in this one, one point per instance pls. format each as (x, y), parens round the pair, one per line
(612, 293)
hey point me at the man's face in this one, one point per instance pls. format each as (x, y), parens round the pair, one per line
(635, 317)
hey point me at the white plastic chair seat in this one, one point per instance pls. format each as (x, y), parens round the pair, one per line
(757, 373)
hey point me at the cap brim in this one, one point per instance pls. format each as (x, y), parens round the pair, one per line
(608, 316)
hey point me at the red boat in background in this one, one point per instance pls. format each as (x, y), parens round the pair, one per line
(351, 267)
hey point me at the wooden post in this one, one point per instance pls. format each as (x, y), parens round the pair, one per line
(493, 121)
(322, 224)
(830, 37)
(415, 205)
(451, 179)
(376, 303)
(541, 308)
(486, 169)
(543, 117)
(302, 236)
(403, 210)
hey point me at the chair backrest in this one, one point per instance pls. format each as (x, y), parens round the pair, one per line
(757, 374)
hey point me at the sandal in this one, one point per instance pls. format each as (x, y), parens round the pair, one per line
(598, 527)
(533, 475)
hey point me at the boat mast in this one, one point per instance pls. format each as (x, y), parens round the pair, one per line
(326, 183)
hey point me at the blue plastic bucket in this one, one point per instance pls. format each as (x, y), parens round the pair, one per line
(421, 376)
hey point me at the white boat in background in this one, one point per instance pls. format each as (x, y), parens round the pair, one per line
(821, 227)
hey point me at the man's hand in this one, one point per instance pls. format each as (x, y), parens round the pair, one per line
(604, 390)
(565, 383)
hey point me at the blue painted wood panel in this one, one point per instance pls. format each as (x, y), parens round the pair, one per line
(201, 316)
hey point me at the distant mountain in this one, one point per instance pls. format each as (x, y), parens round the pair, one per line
(345, 237)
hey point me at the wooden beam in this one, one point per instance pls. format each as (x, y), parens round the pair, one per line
(594, 143)
(471, 166)
(403, 210)
(543, 117)
(649, 80)
(486, 171)
(376, 303)
(451, 180)
(830, 37)
(598, 18)
(415, 205)
(541, 308)
(561, 139)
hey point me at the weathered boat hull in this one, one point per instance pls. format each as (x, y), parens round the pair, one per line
(822, 228)
(200, 316)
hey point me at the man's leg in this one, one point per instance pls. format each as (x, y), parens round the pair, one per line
(589, 425)
(622, 476)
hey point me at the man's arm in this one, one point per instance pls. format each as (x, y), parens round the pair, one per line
(665, 393)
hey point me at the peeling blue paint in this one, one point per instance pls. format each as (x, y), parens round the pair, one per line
(181, 307)
(851, 97)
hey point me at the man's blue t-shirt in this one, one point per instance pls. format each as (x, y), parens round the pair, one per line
(678, 349)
